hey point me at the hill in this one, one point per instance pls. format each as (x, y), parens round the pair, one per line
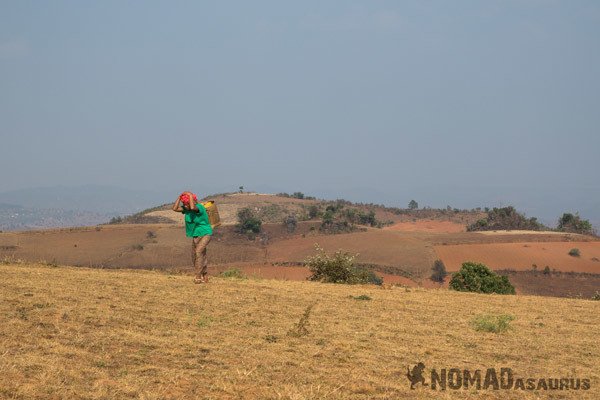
(90, 333)
(272, 208)
(402, 251)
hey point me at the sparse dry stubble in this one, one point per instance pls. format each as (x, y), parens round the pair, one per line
(113, 334)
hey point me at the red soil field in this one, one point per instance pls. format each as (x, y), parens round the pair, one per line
(375, 246)
(427, 226)
(522, 256)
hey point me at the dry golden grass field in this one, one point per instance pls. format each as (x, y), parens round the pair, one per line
(78, 333)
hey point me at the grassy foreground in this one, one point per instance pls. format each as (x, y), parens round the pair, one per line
(113, 334)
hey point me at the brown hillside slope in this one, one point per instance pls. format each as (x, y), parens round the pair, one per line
(97, 334)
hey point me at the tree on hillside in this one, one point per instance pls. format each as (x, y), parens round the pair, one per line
(241, 189)
(413, 205)
(313, 211)
(573, 223)
(291, 222)
(248, 221)
(438, 271)
(506, 218)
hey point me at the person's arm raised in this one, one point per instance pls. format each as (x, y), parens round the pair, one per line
(177, 205)
(193, 205)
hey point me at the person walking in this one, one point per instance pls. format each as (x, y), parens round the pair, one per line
(197, 226)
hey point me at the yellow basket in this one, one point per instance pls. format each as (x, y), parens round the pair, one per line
(213, 213)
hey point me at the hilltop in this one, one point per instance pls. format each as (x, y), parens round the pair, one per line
(273, 208)
(90, 333)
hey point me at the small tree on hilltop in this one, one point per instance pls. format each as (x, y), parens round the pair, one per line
(439, 271)
(573, 223)
(413, 205)
(505, 218)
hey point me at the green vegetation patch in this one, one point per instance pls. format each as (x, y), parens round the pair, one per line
(492, 323)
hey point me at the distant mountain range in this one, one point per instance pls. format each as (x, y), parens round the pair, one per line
(14, 217)
(89, 198)
(56, 207)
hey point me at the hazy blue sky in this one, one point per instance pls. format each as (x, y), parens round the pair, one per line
(461, 102)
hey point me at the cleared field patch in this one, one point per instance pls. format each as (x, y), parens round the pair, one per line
(523, 256)
(556, 284)
(97, 334)
(375, 246)
(520, 232)
(427, 226)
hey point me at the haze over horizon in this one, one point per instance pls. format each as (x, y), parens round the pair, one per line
(465, 104)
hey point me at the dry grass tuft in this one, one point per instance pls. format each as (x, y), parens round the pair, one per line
(117, 334)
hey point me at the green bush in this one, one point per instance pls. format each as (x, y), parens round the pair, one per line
(505, 218)
(439, 271)
(573, 223)
(313, 211)
(248, 221)
(339, 268)
(574, 253)
(492, 323)
(478, 278)
(233, 273)
(361, 297)
(290, 223)
(547, 270)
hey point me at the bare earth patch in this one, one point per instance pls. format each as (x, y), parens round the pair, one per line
(522, 256)
(428, 226)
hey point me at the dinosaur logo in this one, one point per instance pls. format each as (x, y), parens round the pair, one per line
(416, 375)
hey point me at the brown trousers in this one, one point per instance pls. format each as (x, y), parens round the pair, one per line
(199, 258)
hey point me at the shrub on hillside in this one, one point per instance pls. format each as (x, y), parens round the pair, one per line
(339, 268)
(574, 253)
(573, 223)
(290, 223)
(492, 323)
(313, 211)
(233, 273)
(248, 221)
(547, 270)
(505, 218)
(339, 219)
(439, 271)
(475, 277)
(332, 223)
